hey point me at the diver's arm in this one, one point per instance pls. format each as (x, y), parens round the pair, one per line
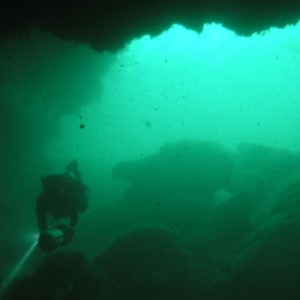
(72, 167)
(69, 230)
(74, 215)
(74, 221)
(41, 213)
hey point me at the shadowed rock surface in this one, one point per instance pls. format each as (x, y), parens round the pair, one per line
(109, 25)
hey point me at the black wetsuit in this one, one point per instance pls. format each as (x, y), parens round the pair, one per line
(62, 196)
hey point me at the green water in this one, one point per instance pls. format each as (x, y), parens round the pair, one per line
(189, 144)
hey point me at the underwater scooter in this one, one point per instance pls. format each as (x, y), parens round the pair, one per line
(50, 239)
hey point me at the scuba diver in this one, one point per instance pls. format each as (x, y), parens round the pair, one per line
(64, 196)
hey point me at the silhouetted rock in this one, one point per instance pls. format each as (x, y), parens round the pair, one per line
(146, 264)
(107, 25)
(268, 268)
(63, 275)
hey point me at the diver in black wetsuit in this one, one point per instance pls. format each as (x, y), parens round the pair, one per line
(63, 196)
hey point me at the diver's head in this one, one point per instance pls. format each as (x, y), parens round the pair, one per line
(72, 166)
(50, 240)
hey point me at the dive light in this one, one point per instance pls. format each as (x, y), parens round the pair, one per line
(51, 239)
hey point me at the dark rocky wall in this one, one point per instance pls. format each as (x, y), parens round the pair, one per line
(109, 24)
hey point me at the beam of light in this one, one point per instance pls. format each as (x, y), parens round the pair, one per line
(18, 267)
